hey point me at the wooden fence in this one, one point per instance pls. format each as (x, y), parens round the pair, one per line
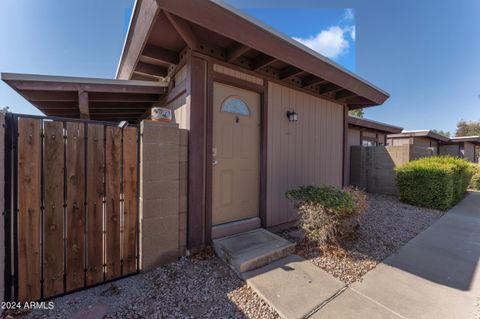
(72, 206)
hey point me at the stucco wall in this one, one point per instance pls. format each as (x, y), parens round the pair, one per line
(309, 151)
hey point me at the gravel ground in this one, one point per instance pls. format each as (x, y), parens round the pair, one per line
(204, 287)
(387, 226)
(197, 287)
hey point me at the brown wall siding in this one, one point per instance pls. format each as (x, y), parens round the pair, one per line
(237, 74)
(353, 139)
(182, 111)
(398, 141)
(309, 151)
(469, 151)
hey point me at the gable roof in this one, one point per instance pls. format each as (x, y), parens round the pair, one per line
(217, 29)
(421, 133)
(356, 121)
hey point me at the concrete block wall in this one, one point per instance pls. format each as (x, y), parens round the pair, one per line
(183, 193)
(453, 150)
(373, 168)
(162, 193)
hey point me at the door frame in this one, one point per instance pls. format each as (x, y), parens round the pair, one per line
(262, 90)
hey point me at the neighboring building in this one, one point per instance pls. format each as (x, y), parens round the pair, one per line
(365, 132)
(265, 114)
(462, 146)
(421, 138)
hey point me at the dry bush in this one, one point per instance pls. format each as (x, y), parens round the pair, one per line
(327, 213)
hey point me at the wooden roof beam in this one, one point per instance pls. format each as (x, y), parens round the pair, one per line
(290, 72)
(329, 88)
(151, 70)
(160, 55)
(357, 100)
(262, 61)
(83, 104)
(312, 80)
(343, 94)
(235, 51)
(184, 30)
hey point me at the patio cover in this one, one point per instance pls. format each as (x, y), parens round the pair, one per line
(88, 98)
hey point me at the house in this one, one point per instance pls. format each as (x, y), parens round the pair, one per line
(462, 146)
(366, 132)
(264, 113)
(421, 138)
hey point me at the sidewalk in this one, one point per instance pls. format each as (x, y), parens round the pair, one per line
(433, 276)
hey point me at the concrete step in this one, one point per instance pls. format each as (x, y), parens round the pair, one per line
(253, 249)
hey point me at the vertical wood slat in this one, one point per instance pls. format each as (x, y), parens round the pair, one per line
(75, 205)
(29, 148)
(53, 249)
(112, 205)
(130, 191)
(95, 193)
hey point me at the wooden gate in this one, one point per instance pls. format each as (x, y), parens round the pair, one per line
(72, 204)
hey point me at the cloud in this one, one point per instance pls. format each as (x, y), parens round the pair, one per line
(349, 15)
(330, 42)
(351, 30)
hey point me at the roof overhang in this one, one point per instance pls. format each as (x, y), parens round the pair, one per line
(160, 30)
(92, 98)
(354, 121)
(462, 139)
(423, 133)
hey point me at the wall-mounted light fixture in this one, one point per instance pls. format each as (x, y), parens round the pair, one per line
(292, 116)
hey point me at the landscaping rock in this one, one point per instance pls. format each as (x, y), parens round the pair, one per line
(387, 226)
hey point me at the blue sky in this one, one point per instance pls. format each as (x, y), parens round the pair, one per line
(426, 54)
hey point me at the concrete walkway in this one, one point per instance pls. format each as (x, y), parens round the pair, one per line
(433, 276)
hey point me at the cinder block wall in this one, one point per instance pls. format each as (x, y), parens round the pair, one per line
(162, 193)
(2, 206)
(453, 150)
(373, 168)
(183, 199)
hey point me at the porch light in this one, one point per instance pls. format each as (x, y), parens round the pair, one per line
(292, 116)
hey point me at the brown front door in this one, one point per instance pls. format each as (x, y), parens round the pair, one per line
(236, 154)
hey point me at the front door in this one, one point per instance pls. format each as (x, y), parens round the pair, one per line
(236, 154)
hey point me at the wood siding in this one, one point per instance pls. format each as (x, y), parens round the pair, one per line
(307, 152)
(182, 111)
(237, 74)
(353, 139)
(469, 151)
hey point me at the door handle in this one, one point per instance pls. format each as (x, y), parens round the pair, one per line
(215, 162)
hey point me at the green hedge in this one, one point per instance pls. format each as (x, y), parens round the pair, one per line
(475, 182)
(435, 182)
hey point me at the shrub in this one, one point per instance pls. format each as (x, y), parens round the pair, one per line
(434, 182)
(475, 182)
(326, 212)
